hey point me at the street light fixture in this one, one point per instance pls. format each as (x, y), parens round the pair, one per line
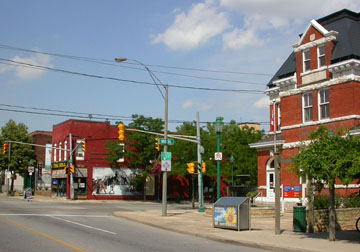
(155, 80)
(218, 128)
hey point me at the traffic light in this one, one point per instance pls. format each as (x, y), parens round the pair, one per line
(83, 143)
(66, 170)
(191, 168)
(203, 167)
(5, 149)
(157, 146)
(72, 169)
(121, 132)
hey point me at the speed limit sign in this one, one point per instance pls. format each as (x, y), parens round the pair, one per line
(218, 155)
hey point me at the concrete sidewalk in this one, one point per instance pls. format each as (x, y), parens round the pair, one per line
(262, 234)
(183, 219)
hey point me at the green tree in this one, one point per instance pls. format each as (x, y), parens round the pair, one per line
(327, 158)
(20, 154)
(139, 148)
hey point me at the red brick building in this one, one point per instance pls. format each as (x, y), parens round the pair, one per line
(319, 84)
(93, 177)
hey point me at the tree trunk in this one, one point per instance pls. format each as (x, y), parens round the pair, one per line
(332, 213)
(310, 206)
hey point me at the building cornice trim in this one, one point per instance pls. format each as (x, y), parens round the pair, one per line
(343, 118)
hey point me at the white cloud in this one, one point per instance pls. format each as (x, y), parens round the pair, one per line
(192, 29)
(262, 103)
(198, 105)
(27, 73)
(263, 15)
(238, 39)
(188, 104)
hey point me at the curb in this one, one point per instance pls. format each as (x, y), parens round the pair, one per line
(218, 239)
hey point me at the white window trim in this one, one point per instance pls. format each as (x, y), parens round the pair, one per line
(65, 152)
(303, 54)
(81, 157)
(55, 152)
(278, 125)
(60, 152)
(121, 160)
(303, 107)
(320, 55)
(319, 105)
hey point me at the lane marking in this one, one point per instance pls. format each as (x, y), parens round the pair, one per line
(42, 234)
(61, 215)
(76, 223)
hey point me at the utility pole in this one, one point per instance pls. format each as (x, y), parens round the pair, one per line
(200, 150)
(164, 193)
(277, 178)
(70, 173)
(8, 179)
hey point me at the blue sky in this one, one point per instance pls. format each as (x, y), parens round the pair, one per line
(169, 36)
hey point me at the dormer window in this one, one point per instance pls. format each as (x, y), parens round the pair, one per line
(306, 57)
(321, 56)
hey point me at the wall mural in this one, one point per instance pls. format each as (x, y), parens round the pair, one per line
(114, 181)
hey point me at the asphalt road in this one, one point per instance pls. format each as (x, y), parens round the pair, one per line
(39, 226)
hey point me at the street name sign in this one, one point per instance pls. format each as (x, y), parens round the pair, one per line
(218, 155)
(167, 141)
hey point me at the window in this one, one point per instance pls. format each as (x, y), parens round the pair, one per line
(278, 118)
(121, 151)
(80, 155)
(60, 151)
(321, 56)
(306, 57)
(65, 152)
(55, 152)
(307, 107)
(324, 109)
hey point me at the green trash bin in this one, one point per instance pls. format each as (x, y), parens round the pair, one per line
(299, 219)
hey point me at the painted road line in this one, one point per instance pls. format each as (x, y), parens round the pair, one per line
(58, 215)
(76, 223)
(42, 234)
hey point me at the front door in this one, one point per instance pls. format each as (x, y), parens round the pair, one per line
(270, 186)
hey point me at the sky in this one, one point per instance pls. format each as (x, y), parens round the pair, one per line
(216, 56)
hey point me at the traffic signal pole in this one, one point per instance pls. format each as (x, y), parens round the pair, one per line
(164, 192)
(8, 179)
(72, 196)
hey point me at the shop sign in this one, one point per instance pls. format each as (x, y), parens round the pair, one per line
(58, 165)
(292, 191)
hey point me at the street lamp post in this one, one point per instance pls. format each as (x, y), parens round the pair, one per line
(166, 87)
(218, 127)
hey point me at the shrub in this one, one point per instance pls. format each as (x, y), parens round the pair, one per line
(323, 201)
(351, 201)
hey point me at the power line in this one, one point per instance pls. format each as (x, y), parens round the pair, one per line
(86, 115)
(23, 64)
(95, 60)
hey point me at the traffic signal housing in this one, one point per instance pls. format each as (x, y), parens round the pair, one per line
(121, 132)
(5, 149)
(83, 143)
(157, 146)
(72, 169)
(203, 167)
(191, 168)
(66, 170)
